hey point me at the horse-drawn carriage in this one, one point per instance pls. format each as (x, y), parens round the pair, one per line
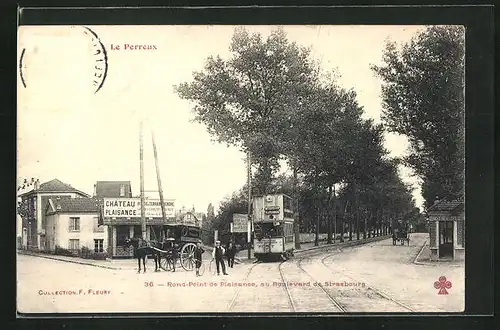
(179, 245)
(176, 246)
(401, 236)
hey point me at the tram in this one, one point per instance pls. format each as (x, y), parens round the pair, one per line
(273, 227)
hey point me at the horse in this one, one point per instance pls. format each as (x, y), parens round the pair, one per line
(143, 248)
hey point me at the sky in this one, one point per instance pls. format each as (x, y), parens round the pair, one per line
(68, 132)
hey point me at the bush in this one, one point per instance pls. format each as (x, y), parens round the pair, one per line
(63, 252)
(85, 252)
(99, 255)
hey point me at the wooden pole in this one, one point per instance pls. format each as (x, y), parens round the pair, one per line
(296, 223)
(158, 177)
(143, 210)
(249, 210)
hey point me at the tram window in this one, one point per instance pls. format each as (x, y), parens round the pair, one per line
(287, 203)
(265, 230)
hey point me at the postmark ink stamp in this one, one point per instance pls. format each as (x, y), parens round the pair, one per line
(101, 59)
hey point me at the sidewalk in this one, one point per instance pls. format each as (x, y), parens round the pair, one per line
(117, 264)
(241, 256)
(423, 259)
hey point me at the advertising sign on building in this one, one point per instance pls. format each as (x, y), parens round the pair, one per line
(240, 223)
(131, 208)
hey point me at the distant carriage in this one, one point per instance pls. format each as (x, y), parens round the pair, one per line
(400, 235)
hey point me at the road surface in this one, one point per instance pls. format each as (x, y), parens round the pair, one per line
(376, 277)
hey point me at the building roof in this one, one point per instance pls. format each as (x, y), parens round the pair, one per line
(445, 205)
(112, 188)
(73, 205)
(55, 186)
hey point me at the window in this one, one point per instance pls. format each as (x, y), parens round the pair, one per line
(122, 232)
(74, 224)
(98, 245)
(74, 244)
(97, 228)
(122, 190)
(137, 231)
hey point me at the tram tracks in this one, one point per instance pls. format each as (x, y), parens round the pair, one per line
(238, 290)
(377, 293)
(285, 286)
(305, 283)
(261, 296)
(307, 298)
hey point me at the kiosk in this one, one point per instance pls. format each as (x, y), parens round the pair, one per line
(447, 230)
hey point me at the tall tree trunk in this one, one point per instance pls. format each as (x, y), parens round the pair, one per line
(365, 224)
(329, 218)
(296, 223)
(356, 210)
(316, 238)
(379, 223)
(342, 228)
(382, 219)
(369, 224)
(334, 215)
(350, 227)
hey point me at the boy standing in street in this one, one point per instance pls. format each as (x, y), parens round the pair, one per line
(218, 255)
(198, 253)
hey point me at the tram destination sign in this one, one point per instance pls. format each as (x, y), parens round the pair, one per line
(272, 209)
(131, 208)
(240, 223)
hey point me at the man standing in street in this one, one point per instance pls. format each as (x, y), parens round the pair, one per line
(231, 252)
(218, 255)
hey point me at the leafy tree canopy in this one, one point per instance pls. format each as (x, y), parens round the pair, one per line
(423, 99)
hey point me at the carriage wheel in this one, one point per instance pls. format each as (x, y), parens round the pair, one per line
(164, 263)
(187, 256)
(170, 265)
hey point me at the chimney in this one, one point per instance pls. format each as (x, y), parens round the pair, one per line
(36, 184)
(95, 190)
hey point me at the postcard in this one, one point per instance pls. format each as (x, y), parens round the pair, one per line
(240, 169)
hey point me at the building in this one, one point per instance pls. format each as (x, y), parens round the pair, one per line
(112, 189)
(19, 232)
(125, 221)
(447, 229)
(33, 223)
(73, 223)
(189, 217)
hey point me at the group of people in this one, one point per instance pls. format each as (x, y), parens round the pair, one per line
(218, 255)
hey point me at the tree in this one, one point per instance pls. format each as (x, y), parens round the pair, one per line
(210, 211)
(22, 204)
(423, 96)
(207, 225)
(241, 101)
